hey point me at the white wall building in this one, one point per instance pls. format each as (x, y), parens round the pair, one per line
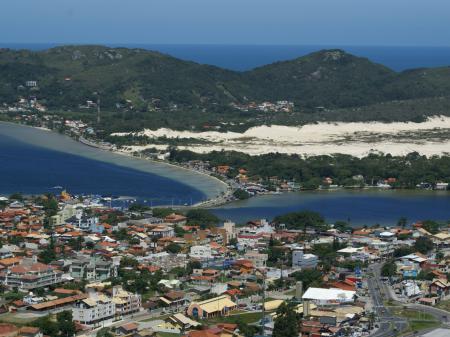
(201, 252)
(96, 310)
(304, 261)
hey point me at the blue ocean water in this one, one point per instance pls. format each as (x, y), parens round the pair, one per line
(246, 57)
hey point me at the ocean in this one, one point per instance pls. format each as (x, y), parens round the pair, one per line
(246, 57)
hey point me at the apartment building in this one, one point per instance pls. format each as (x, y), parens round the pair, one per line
(93, 268)
(95, 310)
(30, 274)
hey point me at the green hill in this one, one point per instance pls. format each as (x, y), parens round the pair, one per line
(140, 85)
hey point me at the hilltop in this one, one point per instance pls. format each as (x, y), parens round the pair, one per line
(137, 85)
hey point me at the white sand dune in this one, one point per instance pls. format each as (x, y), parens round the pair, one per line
(357, 139)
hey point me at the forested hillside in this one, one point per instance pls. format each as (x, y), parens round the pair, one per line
(136, 86)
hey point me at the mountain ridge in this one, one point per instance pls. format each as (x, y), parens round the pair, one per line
(135, 79)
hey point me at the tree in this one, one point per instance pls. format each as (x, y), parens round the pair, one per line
(389, 269)
(287, 321)
(423, 245)
(309, 277)
(104, 332)
(431, 226)
(66, 326)
(48, 254)
(202, 217)
(173, 248)
(402, 222)
(47, 326)
(301, 220)
(403, 251)
(241, 194)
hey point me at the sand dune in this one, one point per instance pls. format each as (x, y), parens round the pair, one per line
(431, 137)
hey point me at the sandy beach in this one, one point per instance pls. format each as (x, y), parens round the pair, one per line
(429, 138)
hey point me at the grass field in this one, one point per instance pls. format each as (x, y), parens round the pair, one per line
(417, 320)
(248, 318)
(16, 319)
(444, 305)
(167, 334)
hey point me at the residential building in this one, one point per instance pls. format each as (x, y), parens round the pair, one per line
(126, 302)
(304, 261)
(213, 307)
(94, 310)
(93, 268)
(259, 260)
(30, 274)
(201, 252)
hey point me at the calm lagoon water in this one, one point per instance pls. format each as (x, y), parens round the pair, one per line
(32, 161)
(367, 207)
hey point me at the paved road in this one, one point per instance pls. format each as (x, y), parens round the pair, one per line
(388, 323)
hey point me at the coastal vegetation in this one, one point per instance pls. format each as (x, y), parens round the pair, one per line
(344, 170)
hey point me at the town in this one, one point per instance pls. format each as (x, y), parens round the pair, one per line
(75, 265)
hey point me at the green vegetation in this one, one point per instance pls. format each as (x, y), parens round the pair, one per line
(301, 220)
(408, 171)
(241, 194)
(389, 269)
(140, 88)
(309, 277)
(287, 321)
(63, 326)
(444, 305)
(201, 217)
(423, 245)
(417, 320)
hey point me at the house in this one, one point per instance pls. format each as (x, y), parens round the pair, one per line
(201, 252)
(173, 299)
(304, 261)
(259, 260)
(213, 307)
(180, 322)
(30, 331)
(440, 287)
(128, 329)
(176, 219)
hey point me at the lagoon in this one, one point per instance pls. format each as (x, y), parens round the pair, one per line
(359, 207)
(32, 161)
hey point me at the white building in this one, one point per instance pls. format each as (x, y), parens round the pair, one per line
(201, 252)
(322, 296)
(259, 260)
(304, 261)
(126, 303)
(230, 229)
(96, 310)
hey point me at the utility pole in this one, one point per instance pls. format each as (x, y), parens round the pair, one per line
(98, 107)
(263, 319)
